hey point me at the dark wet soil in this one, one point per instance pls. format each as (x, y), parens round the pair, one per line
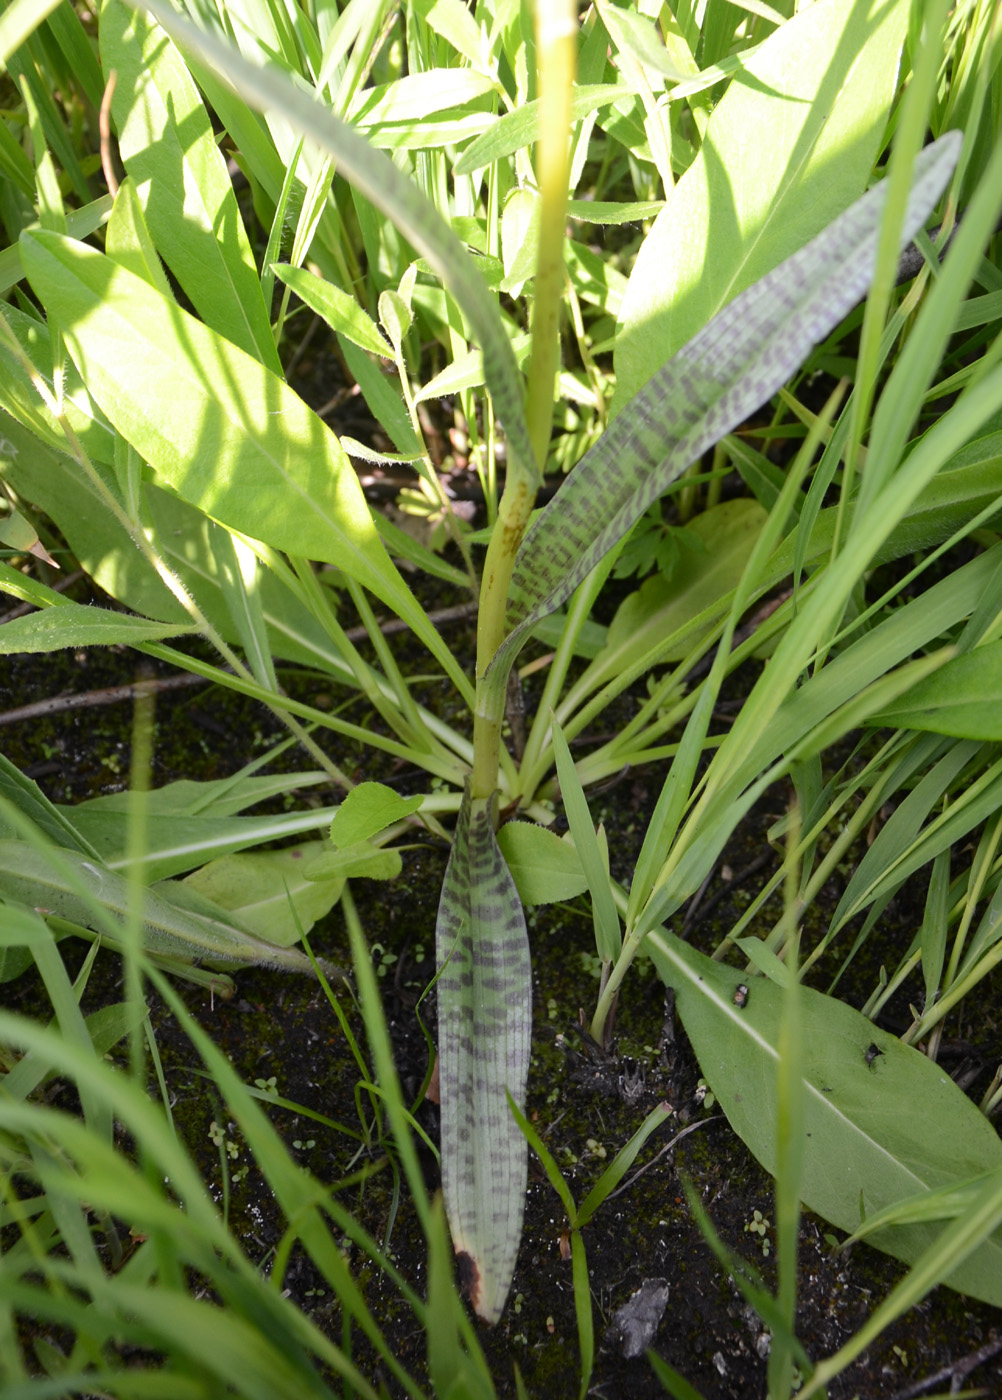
(280, 1033)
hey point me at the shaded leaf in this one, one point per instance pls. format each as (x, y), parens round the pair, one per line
(963, 698)
(545, 868)
(361, 861)
(882, 1121)
(369, 809)
(77, 625)
(95, 897)
(264, 889)
(700, 578)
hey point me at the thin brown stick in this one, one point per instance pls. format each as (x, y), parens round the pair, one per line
(104, 126)
(111, 695)
(957, 1371)
(115, 694)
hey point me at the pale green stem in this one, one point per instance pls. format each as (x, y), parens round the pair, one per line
(556, 48)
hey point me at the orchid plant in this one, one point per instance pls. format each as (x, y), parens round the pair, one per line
(168, 446)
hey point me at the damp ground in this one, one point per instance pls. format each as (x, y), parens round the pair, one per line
(281, 1035)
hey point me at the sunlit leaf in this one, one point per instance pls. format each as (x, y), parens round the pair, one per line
(725, 372)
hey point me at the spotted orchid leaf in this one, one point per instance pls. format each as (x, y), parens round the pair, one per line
(484, 1025)
(727, 371)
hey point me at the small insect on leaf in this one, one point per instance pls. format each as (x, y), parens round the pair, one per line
(871, 1054)
(741, 995)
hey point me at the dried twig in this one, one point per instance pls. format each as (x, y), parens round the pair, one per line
(115, 694)
(956, 1373)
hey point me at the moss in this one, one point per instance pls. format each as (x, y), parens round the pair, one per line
(281, 1029)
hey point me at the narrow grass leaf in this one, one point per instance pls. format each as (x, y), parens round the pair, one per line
(484, 1017)
(963, 698)
(93, 896)
(33, 808)
(19, 22)
(376, 177)
(948, 1256)
(608, 934)
(519, 128)
(178, 842)
(621, 1163)
(79, 625)
(341, 311)
(724, 373)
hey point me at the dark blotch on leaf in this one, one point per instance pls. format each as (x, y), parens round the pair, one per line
(469, 1276)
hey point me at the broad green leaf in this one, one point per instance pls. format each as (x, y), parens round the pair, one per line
(80, 223)
(520, 239)
(803, 124)
(341, 311)
(731, 367)
(376, 178)
(701, 578)
(467, 372)
(21, 400)
(128, 240)
(191, 543)
(169, 149)
(79, 890)
(883, 1121)
(369, 809)
(362, 861)
(545, 868)
(269, 891)
(484, 1027)
(963, 698)
(18, 533)
(600, 211)
(638, 37)
(222, 430)
(454, 22)
(77, 625)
